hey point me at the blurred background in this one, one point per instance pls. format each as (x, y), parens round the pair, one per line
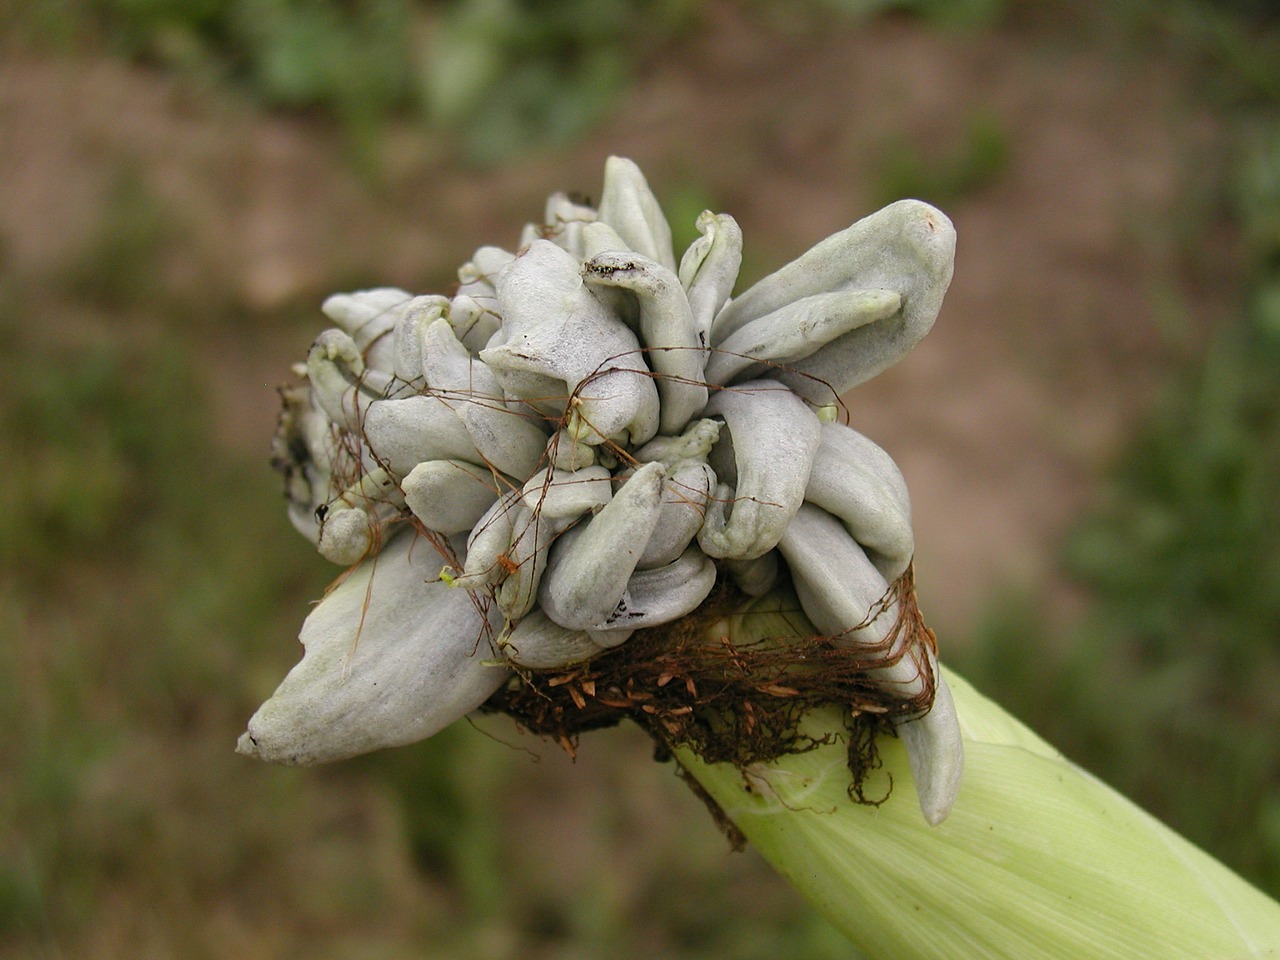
(1091, 433)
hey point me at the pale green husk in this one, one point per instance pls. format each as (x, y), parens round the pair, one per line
(1038, 859)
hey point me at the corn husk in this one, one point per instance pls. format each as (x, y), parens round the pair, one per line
(1038, 859)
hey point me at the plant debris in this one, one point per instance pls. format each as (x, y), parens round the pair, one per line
(689, 684)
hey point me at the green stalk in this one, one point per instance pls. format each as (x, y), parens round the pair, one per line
(1038, 859)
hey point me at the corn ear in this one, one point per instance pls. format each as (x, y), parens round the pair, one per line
(1038, 860)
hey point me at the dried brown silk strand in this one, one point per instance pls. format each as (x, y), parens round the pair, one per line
(690, 686)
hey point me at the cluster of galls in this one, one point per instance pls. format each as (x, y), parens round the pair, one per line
(591, 433)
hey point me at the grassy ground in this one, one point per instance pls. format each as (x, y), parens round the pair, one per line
(165, 275)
